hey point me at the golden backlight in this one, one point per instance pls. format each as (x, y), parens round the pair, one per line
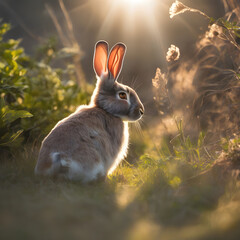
(131, 16)
(136, 3)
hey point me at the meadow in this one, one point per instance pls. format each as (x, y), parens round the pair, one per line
(180, 179)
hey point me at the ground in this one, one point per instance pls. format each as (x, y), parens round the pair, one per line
(203, 207)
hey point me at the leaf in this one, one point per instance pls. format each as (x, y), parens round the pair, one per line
(212, 21)
(201, 139)
(12, 115)
(12, 138)
(68, 52)
(11, 89)
(175, 182)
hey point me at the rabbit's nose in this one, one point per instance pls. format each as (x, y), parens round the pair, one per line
(141, 111)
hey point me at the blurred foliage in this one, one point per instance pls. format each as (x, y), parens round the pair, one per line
(12, 89)
(206, 88)
(34, 95)
(216, 78)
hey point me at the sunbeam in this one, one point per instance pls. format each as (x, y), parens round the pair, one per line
(130, 17)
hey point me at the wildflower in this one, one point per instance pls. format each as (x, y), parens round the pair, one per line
(173, 53)
(177, 8)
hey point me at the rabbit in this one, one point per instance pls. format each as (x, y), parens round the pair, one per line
(92, 141)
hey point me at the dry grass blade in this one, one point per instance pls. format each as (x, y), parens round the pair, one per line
(51, 13)
(69, 41)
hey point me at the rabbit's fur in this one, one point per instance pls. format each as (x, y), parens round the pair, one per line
(92, 141)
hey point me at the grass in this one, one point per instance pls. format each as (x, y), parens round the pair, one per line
(151, 198)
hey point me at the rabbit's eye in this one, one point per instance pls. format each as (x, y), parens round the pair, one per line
(122, 95)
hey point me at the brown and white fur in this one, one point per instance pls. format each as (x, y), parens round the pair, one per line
(91, 142)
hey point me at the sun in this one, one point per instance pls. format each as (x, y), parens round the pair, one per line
(131, 6)
(135, 2)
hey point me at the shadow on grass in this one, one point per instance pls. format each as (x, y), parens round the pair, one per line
(37, 208)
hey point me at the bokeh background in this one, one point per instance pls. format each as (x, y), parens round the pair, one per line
(147, 31)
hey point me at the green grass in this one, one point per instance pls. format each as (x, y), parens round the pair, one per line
(151, 199)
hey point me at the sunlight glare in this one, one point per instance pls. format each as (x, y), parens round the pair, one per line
(133, 17)
(136, 3)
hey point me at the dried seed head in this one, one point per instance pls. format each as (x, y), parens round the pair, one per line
(160, 92)
(177, 8)
(156, 82)
(160, 82)
(173, 54)
(214, 31)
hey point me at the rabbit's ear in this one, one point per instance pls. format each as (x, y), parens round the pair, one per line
(100, 58)
(115, 59)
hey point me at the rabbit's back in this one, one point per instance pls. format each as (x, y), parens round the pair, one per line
(85, 144)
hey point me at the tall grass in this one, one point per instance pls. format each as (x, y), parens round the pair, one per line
(207, 85)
